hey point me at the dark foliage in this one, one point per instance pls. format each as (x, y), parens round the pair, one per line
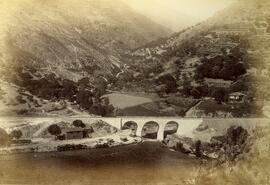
(234, 143)
(219, 95)
(78, 123)
(169, 82)
(70, 147)
(221, 67)
(17, 134)
(4, 139)
(54, 130)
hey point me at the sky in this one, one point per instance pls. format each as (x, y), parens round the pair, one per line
(178, 13)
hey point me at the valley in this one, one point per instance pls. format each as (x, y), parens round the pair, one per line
(96, 92)
(74, 62)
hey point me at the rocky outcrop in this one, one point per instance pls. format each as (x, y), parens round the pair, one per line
(102, 128)
(222, 148)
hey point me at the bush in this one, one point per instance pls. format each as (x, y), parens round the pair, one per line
(102, 145)
(234, 143)
(22, 111)
(124, 139)
(4, 138)
(79, 123)
(252, 168)
(21, 100)
(219, 95)
(54, 130)
(69, 147)
(17, 134)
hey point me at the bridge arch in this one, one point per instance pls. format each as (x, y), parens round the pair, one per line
(132, 125)
(184, 126)
(150, 130)
(170, 128)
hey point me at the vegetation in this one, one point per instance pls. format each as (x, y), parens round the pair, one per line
(4, 138)
(248, 168)
(221, 67)
(54, 130)
(219, 95)
(78, 123)
(87, 97)
(17, 134)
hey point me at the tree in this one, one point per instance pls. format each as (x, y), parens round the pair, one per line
(195, 92)
(219, 95)
(105, 101)
(79, 124)
(161, 90)
(100, 84)
(215, 71)
(198, 150)
(240, 69)
(84, 98)
(4, 139)
(17, 134)
(54, 130)
(187, 88)
(169, 81)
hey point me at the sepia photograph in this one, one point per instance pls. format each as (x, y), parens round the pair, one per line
(134, 92)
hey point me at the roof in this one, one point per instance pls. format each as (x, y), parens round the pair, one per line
(75, 129)
(237, 94)
(212, 80)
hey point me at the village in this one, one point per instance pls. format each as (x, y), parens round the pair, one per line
(199, 72)
(134, 92)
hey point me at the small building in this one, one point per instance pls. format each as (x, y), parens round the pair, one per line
(239, 28)
(265, 73)
(21, 141)
(237, 97)
(266, 57)
(261, 27)
(220, 83)
(74, 133)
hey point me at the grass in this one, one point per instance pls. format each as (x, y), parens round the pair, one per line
(237, 109)
(252, 168)
(124, 101)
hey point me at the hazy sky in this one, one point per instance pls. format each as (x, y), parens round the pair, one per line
(178, 13)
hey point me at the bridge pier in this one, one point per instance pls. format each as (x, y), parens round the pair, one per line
(161, 129)
(185, 126)
(140, 125)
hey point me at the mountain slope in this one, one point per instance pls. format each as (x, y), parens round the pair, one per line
(74, 34)
(228, 53)
(68, 49)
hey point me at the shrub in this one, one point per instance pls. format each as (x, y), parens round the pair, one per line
(69, 147)
(54, 130)
(21, 100)
(17, 134)
(102, 145)
(79, 123)
(4, 139)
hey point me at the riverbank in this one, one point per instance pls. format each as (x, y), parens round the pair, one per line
(41, 145)
(145, 163)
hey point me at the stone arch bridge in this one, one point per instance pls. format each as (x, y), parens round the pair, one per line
(184, 126)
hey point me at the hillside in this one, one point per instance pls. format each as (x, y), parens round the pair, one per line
(49, 45)
(224, 55)
(83, 51)
(74, 35)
